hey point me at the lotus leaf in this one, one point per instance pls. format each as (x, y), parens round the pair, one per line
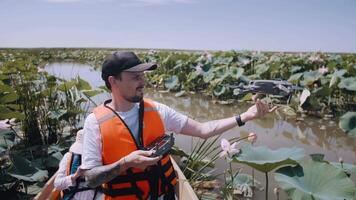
(22, 169)
(310, 77)
(348, 123)
(315, 181)
(348, 83)
(265, 159)
(91, 93)
(219, 90)
(7, 138)
(172, 82)
(237, 72)
(82, 84)
(295, 78)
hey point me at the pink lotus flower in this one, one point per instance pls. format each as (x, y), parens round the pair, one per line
(323, 70)
(252, 137)
(4, 124)
(227, 148)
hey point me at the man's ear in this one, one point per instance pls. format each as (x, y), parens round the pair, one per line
(111, 80)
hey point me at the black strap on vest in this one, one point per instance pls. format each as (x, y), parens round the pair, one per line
(133, 190)
(140, 123)
(153, 180)
(166, 185)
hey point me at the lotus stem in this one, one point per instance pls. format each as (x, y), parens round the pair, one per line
(266, 173)
(253, 178)
(232, 175)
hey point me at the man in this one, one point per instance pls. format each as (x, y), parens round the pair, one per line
(117, 131)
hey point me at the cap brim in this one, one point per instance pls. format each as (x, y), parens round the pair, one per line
(142, 67)
(76, 148)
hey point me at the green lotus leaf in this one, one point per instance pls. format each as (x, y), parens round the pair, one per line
(23, 169)
(56, 114)
(7, 138)
(265, 159)
(8, 97)
(206, 68)
(296, 69)
(295, 78)
(350, 168)
(208, 77)
(35, 188)
(336, 76)
(91, 93)
(172, 82)
(67, 85)
(227, 60)
(54, 159)
(310, 77)
(237, 72)
(219, 90)
(82, 84)
(105, 89)
(322, 91)
(340, 73)
(6, 113)
(348, 83)
(261, 68)
(315, 181)
(348, 123)
(221, 72)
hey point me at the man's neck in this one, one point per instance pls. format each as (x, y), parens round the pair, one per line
(121, 105)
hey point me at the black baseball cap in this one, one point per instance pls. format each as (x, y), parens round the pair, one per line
(124, 61)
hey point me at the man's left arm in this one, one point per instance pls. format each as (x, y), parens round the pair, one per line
(216, 127)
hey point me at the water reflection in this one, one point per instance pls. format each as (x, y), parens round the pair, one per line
(314, 135)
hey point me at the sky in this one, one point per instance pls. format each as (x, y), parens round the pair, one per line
(257, 25)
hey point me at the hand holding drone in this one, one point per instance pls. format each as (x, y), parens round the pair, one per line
(279, 88)
(161, 146)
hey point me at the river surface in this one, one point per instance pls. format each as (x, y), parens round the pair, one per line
(314, 135)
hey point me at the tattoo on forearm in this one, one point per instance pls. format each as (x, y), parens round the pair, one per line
(213, 125)
(219, 126)
(101, 174)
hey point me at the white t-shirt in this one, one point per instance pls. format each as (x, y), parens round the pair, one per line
(173, 121)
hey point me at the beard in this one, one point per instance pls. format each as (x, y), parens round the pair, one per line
(134, 99)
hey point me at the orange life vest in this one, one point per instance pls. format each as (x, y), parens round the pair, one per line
(118, 141)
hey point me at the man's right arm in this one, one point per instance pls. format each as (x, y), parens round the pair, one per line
(95, 172)
(103, 174)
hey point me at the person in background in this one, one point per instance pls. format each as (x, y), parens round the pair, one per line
(69, 176)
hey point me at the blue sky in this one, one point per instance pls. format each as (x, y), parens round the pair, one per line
(266, 25)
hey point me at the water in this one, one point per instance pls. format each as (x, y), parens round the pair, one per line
(313, 135)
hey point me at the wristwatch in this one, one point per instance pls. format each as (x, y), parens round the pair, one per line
(239, 121)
